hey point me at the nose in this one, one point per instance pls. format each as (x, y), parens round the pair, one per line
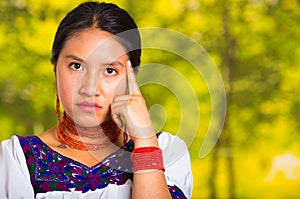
(89, 84)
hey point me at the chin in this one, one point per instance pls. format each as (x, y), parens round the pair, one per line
(86, 119)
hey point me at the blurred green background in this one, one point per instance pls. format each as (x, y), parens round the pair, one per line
(254, 43)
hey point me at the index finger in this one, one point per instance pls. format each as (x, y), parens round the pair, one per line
(132, 86)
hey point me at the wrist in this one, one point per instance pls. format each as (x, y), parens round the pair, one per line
(144, 142)
(147, 159)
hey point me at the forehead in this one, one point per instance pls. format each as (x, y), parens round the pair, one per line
(94, 43)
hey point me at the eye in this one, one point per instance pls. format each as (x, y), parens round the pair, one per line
(76, 66)
(110, 71)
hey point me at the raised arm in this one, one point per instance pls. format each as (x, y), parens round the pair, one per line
(148, 182)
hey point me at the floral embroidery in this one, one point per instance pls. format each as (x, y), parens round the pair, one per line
(51, 171)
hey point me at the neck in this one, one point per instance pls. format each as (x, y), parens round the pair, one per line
(86, 138)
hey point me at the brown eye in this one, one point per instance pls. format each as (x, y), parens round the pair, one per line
(110, 71)
(76, 66)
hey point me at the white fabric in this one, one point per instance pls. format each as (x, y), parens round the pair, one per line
(15, 179)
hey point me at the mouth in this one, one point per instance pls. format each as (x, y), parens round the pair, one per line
(89, 106)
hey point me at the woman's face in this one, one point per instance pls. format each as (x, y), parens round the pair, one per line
(90, 71)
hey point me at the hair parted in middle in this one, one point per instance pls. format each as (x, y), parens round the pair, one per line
(103, 16)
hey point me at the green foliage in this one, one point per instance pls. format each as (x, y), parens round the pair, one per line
(260, 40)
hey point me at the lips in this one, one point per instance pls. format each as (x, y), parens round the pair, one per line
(89, 106)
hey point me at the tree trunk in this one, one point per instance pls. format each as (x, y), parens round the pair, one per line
(228, 66)
(214, 171)
(224, 143)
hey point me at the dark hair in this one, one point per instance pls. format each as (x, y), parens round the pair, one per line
(104, 16)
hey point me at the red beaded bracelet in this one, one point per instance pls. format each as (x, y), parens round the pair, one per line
(144, 158)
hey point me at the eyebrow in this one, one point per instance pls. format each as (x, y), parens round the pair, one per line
(75, 57)
(113, 63)
(107, 63)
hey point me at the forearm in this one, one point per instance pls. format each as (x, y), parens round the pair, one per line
(149, 183)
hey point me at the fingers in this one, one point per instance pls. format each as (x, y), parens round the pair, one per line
(119, 104)
(132, 86)
(130, 110)
(128, 98)
(133, 115)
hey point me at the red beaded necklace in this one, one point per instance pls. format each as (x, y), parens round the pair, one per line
(109, 131)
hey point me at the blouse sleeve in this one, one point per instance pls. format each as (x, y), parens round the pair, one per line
(15, 179)
(178, 171)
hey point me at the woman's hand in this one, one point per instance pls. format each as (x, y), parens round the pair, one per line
(130, 109)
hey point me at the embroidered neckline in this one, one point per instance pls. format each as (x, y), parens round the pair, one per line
(127, 147)
(51, 171)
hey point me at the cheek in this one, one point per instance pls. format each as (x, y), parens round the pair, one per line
(65, 89)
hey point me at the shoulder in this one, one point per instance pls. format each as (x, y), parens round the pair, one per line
(173, 147)
(10, 144)
(11, 149)
(166, 138)
(13, 166)
(11, 154)
(15, 143)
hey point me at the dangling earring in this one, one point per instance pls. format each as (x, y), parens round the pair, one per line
(125, 137)
(57, 107)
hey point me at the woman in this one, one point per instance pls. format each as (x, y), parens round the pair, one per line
(104, 145)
